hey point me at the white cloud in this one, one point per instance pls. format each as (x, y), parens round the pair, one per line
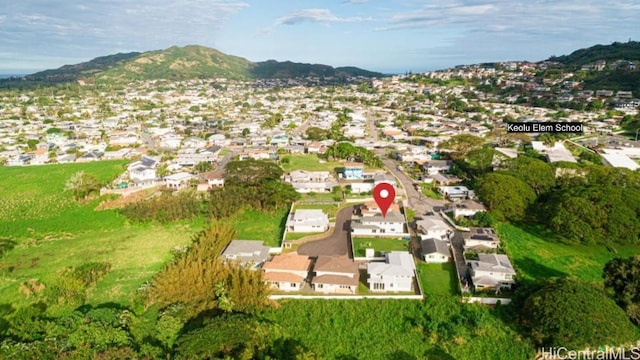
(315, 15)
(89, 29)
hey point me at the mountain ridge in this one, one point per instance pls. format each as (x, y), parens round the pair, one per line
(615, 51)
(183, 63)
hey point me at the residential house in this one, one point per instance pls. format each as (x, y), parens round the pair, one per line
(353, 171)
(252, 253)
(142, 174)
(302, 176)
(310, 181)
(491, 271)
(432, 227)
(479, 238)
(466, 208)
(66, 158)
(40, 156)
(313, 147)
(433, 167)
(93, 155)
(435, 251)
(393, 224)
(335, 274)
(454, 193)
(178, 181)
(287, 272)
(214, 179)
(441, 179)
(308, 220)
(384, 178)
(194, 142)
(19, 160)
(396, 274)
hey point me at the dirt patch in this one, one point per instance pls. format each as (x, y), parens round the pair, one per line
(123, 201)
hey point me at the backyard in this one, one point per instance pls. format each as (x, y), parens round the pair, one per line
(380, 245)
(260, 225)
(438, 279)
(309, 162)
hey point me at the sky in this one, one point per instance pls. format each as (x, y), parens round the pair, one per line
(387, 36)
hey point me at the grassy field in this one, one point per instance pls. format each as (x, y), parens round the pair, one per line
(382, 244)
(430, 191)
(259, 225)
(318, 197)
(535, 254)
(53, 231)
(309, 162)
(329, 209)
(438, 279)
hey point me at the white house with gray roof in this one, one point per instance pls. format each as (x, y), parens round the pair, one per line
(435, 251)
(308, 220)
(492, 271)
(377, 225)
(252, 253)
(396, 274)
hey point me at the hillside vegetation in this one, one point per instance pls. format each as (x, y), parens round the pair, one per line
(179, 63)
(615, 51)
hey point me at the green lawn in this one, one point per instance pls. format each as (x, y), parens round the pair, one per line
(438, 278)
(309, 162)
(318, 197)
(382, 244)
(298, 236)
(329, 209)
(430, 191)
(53, 231)
(260, 225)
(536, 256)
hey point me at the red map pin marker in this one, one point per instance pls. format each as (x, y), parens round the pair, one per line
(384, 194)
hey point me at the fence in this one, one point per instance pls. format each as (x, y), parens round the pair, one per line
(346, 297)
(486, 300)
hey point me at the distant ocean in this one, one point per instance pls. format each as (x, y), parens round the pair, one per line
(6, 76)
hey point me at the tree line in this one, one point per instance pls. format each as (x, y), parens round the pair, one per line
(249, 184)
(592, 204)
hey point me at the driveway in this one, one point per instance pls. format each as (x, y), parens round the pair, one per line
(337, 243)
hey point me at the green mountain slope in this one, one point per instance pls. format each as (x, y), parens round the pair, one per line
(616, 51)
(179, 63)
(74, 72)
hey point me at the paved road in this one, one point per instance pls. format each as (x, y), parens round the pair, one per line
(337, 243)
(223, 162)
(371, 123)
(417, 201)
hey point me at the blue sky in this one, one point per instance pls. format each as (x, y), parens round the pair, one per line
(387, 36)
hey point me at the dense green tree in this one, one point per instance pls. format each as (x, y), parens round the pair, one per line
(200, 280)
(536, 173)
(480, 160)
(575, 315)
(82, 184)
(317, 134)
(577, 218)
(506, 196)
(460, 145)
(203, 166)
(622, 276)
(251, 172)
